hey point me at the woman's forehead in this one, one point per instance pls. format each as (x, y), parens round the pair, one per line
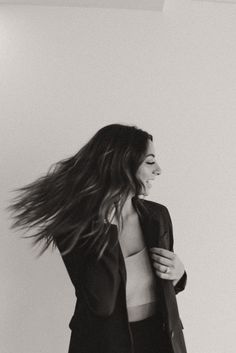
(150, 148)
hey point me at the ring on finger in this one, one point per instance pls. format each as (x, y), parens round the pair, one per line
(167, 270)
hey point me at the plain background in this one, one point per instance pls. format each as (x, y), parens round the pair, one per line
(65, 73)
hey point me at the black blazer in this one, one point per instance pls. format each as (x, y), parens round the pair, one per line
(100, 319)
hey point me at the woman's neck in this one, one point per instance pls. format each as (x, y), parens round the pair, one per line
(128, 211)
(128, 208)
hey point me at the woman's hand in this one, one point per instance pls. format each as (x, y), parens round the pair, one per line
(167, 264)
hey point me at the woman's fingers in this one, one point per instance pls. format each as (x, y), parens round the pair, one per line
(162, 271)
(161, 268)
(167, 265)
(161, 260)
(162, 275)
(163, 252)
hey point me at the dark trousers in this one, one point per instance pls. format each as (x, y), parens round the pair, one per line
(150, 336)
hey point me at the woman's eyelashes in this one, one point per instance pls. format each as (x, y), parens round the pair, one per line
(150, 162)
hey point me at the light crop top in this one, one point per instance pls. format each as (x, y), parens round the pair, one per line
(141, 290)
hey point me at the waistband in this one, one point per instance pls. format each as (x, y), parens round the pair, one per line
(156, 319)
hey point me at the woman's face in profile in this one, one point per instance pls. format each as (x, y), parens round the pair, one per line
(148, 169)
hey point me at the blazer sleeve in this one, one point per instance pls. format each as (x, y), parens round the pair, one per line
(96, 281)
(180, 285)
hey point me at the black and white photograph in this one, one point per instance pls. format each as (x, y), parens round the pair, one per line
(118, 176)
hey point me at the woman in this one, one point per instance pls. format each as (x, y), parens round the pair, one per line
(117, 247)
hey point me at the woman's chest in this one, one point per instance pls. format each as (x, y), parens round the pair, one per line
(131, 238)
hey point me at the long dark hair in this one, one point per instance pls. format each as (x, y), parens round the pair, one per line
(74, 200)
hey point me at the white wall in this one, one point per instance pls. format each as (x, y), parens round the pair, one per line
(64, 73)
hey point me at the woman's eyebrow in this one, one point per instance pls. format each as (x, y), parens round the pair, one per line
(150, 154)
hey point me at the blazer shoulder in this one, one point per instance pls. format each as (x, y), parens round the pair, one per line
(156, 209)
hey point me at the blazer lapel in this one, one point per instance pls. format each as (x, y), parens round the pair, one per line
(150, 225)
(157, 234)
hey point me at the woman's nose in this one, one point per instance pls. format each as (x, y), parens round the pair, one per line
(157, 169)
